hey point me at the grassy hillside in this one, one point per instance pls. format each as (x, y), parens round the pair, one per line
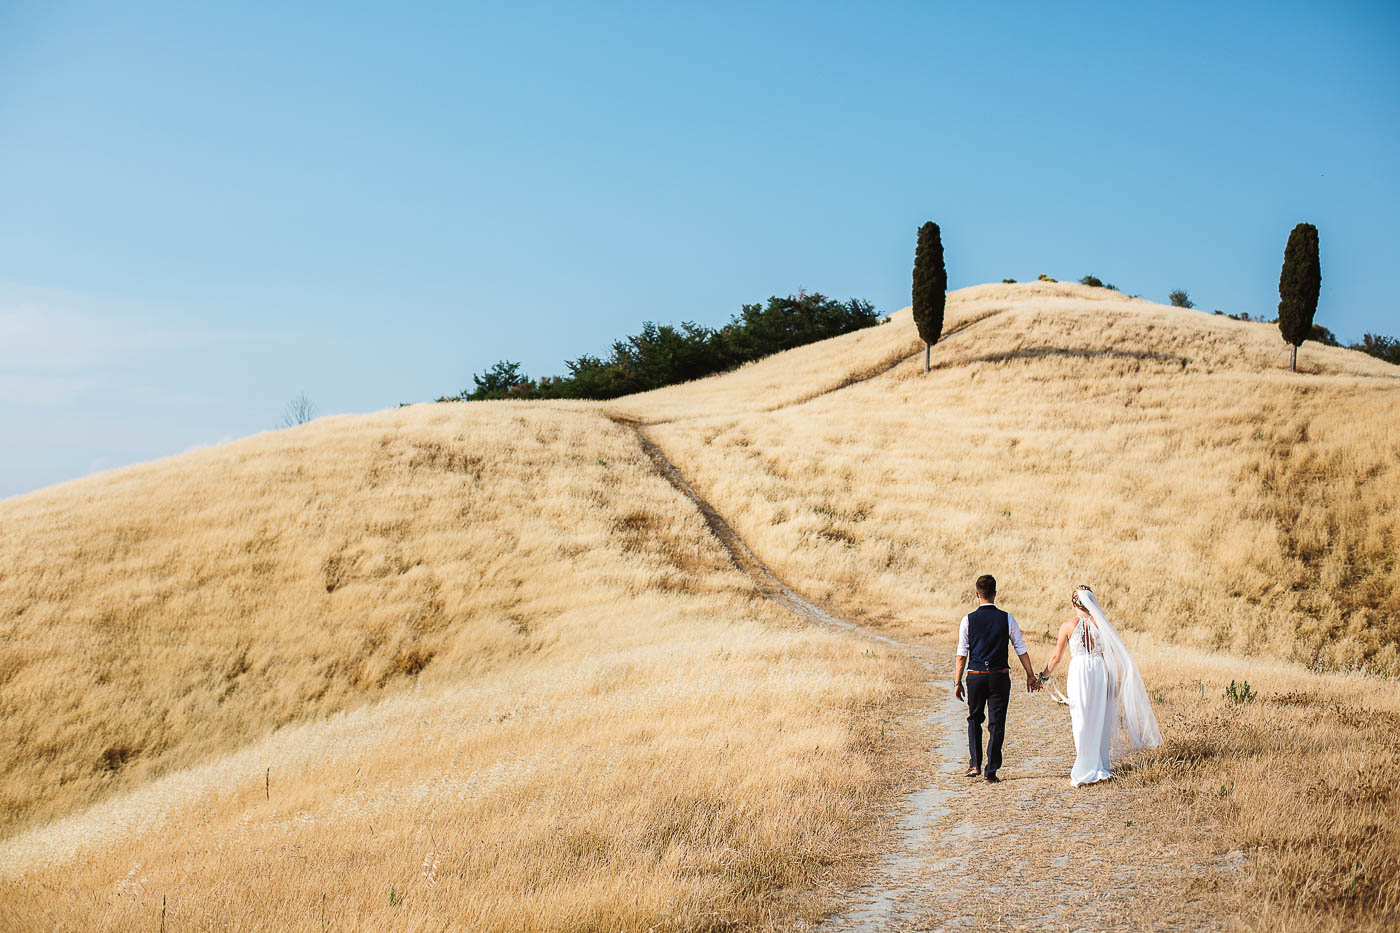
(485, 655)
(1239, 520)
(487, 638)
(1072, 434)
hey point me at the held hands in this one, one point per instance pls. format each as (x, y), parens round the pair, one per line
(1032, 683)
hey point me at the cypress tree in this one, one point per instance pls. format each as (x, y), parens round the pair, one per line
(1298, 285)
(930, 286)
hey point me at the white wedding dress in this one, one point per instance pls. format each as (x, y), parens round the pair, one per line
(1107, 699)
(1093, 710)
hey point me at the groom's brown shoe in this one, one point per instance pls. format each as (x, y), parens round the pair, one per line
(993, 779)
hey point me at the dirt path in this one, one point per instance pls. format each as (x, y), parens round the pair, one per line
(1028, 853)
(875, 372)
(887, 365)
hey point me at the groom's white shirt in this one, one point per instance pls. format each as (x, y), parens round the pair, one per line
(1017, 642)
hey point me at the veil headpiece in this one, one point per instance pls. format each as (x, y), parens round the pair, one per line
(1139, 725)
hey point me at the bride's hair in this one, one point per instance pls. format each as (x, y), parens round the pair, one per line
(1075, 598)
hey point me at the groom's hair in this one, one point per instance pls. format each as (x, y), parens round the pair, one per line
(987, 586)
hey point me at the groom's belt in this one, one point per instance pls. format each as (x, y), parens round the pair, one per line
(1005, 670)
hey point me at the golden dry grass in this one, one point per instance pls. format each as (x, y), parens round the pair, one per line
(804, 373)
(685, 784)
(497, 665)
(1302, 780)
(1227, 503)
(488, 638)
(157, 613)
(1233, 514)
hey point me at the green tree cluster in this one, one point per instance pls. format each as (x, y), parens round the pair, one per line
(662, 354)
(1380, 346)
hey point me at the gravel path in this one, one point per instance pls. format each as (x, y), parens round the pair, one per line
(1028, 853)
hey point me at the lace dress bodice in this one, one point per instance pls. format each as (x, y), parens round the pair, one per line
(1082, 643)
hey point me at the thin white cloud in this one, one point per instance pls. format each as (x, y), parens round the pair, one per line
(96, 384)
(27, 387)
(58, 338)
(58, 349)
(226, 439)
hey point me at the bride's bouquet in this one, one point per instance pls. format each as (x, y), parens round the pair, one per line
(1054, 691)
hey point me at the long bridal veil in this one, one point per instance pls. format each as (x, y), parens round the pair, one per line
(1139, 724)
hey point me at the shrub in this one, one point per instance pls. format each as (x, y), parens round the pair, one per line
(299, 410)
(1379, 346)
(1008, 281)
(1322, 335)
(1243, 693)
(1045, 278)
(662, 354)
(1180, 299)
(503, 378)
(1093, 281)
(790, 322)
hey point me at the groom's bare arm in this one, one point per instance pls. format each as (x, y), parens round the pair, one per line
(963, 650)
(1032, 681)
(1018, 644)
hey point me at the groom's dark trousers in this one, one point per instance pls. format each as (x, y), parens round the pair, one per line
(989, 692)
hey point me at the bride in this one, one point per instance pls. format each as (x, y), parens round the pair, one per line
(1104, 687)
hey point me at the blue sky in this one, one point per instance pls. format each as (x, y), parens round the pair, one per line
(206, 210)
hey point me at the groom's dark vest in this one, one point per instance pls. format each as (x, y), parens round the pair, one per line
(988, 638)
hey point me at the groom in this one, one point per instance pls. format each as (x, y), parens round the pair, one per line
(983, 637)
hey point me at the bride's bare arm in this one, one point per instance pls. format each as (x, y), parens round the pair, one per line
(1065, 631)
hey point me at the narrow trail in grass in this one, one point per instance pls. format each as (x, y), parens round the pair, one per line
(1028, 853)
(886, 366)
(739, 552)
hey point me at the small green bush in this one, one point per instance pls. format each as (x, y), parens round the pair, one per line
(1180, 299)
(1241, 693)
(1008, 281)
(1093, 281)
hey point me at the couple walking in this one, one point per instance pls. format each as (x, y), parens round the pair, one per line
(1104, 686)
